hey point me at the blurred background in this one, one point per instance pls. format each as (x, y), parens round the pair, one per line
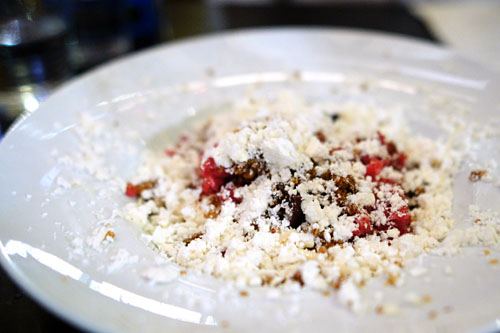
(44, 43)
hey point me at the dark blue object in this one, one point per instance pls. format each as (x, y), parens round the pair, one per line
(144, 22)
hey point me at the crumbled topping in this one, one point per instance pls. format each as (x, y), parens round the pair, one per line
(280, 192)
(476, 175)
(220, 201)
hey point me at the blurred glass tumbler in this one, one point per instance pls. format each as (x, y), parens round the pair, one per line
(34, 54)
(101, 31)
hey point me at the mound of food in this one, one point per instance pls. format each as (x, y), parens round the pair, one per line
(282, 193)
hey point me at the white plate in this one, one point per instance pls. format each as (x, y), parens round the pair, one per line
(162, 87)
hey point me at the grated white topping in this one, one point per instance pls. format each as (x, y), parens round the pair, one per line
(321, 253)
(251, 242)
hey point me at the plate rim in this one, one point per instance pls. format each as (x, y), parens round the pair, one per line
(26, 283)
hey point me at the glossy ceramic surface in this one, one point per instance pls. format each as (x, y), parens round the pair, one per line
(164, 88)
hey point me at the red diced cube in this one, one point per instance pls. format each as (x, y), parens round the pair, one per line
(209, 168)
(364, 226)
(375, 167)
(401, 219)
(214, 177)
(210, 185)
(131, 191)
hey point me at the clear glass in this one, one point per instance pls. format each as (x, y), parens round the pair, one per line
(101, 30)
(34, 53)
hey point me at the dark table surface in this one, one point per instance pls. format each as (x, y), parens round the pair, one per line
(19, 312)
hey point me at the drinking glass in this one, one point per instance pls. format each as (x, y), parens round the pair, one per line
(34, 53)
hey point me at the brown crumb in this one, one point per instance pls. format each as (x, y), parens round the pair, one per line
(391, 148)
(427, 298)
(493, 261)
(327, 175)
(297, 217)
(351, 209)
(247, 172)
(345, 186)
(244, 293)
(311, 173)
(297, 276)
(419, 190)
(224, 324)
(283, 281)
(432, 314)
(159, 203)
(321, 137)
(379, 309)
(486, 252)
(476, 175)
(211, 214)
(192, 238)
(267, 280)
(477, 221)
(136, 190)
(215, 207)
(210, 72)
(322, 249)
(109, 234)
(325, 293)
(436, 164)
(296, 75)
(391, 280)
(336, 284)
(363, 86)
(183, 272)
(255, 225)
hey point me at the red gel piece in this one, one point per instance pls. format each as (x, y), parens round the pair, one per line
(210, 169)
(169, 152)
(401, 219)
(374, 167)
(131, 191)
(364, 226)
(214, 177)
(211, 185)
